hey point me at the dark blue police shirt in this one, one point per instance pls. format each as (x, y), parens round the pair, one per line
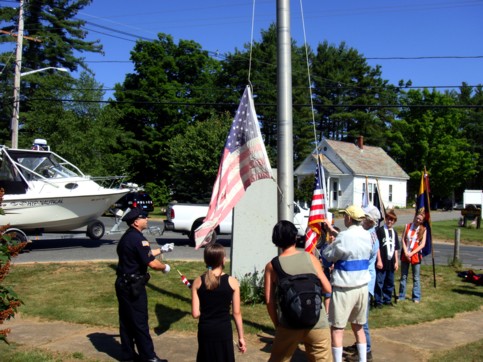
(134, 253)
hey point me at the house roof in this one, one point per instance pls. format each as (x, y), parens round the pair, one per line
(368, 161)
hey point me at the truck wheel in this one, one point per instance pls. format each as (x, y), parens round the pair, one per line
(191, 235)
(95, 230)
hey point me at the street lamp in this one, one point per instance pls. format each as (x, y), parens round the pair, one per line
(42, 69)
(16, 99)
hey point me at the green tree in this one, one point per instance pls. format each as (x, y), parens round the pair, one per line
(472, 125)
(348, 95)
(192, 169)
(429, 133)
(169, 90)
(76, 125)
(60, 36)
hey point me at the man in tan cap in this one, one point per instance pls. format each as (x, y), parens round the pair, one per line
(350, 253)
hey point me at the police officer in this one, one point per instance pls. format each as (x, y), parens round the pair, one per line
(135, 256)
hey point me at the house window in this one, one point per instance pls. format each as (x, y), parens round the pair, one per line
(335, 190)
(390, 193)
(371, 192)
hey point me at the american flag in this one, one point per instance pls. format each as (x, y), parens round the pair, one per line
(317, 213)
(243, 162)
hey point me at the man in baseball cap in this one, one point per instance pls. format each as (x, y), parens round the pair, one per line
(350, 253)
(371, 220)
(354, 212)
(134, 214)
(373, 214)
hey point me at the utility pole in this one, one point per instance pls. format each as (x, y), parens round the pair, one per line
(16, 86)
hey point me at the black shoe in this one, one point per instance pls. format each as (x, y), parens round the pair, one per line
(355, 357)
(350, 350)
(378, 306)
(389, 304)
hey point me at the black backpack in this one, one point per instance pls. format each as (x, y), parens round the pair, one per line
(299, 297)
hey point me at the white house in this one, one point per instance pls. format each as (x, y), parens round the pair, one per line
(347, 166)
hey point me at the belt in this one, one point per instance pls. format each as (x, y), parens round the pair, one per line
(131, 277)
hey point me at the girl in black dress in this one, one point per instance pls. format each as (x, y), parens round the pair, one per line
(212, 295)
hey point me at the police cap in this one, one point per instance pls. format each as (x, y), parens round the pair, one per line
(134, 214)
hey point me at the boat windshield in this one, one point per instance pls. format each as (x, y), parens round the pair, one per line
(38, 164)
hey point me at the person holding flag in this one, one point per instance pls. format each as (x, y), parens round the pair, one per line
(416, 242)
(350, 253)
(318, 213)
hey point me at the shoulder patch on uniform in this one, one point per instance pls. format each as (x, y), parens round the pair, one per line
(145, 243)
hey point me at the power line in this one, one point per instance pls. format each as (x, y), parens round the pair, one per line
(119, 31)
(272, 105)
(428, 57)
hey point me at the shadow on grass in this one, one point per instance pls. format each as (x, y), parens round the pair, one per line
(473, 291)
(106, 343)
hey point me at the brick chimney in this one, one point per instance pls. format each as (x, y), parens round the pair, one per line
(360, 142)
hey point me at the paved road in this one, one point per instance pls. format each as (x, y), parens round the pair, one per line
(77, 247)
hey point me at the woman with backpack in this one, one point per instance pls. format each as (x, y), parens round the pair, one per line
(413, 241)
(213, 293)
(294, 270)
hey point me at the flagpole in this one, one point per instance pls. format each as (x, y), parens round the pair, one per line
(426, 186)
(321, 171)
(284, 112)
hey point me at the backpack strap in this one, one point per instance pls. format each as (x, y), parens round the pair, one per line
(278, 268)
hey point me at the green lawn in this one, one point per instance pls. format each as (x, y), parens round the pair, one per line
(445, 231)
(48, 289)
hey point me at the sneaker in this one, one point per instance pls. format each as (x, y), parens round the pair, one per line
(416, 301)
(350, 350)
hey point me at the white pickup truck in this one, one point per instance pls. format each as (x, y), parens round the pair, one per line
(186, 218)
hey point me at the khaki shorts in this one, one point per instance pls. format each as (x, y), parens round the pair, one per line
(316, 342)
(348, 305)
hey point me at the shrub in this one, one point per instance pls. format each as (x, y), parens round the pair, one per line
(252, 288)
(10, 245)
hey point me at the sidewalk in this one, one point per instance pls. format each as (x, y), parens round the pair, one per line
(402, 344)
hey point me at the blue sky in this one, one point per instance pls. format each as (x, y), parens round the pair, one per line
(377, 29)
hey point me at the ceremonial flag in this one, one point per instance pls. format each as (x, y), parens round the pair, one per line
(184, 279)
(379, 203)
(318, 213)
(243, 162)
(422, 206)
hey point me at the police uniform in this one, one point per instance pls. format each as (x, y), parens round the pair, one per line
(134, 255)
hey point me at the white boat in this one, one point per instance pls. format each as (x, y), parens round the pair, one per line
(46, 193)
